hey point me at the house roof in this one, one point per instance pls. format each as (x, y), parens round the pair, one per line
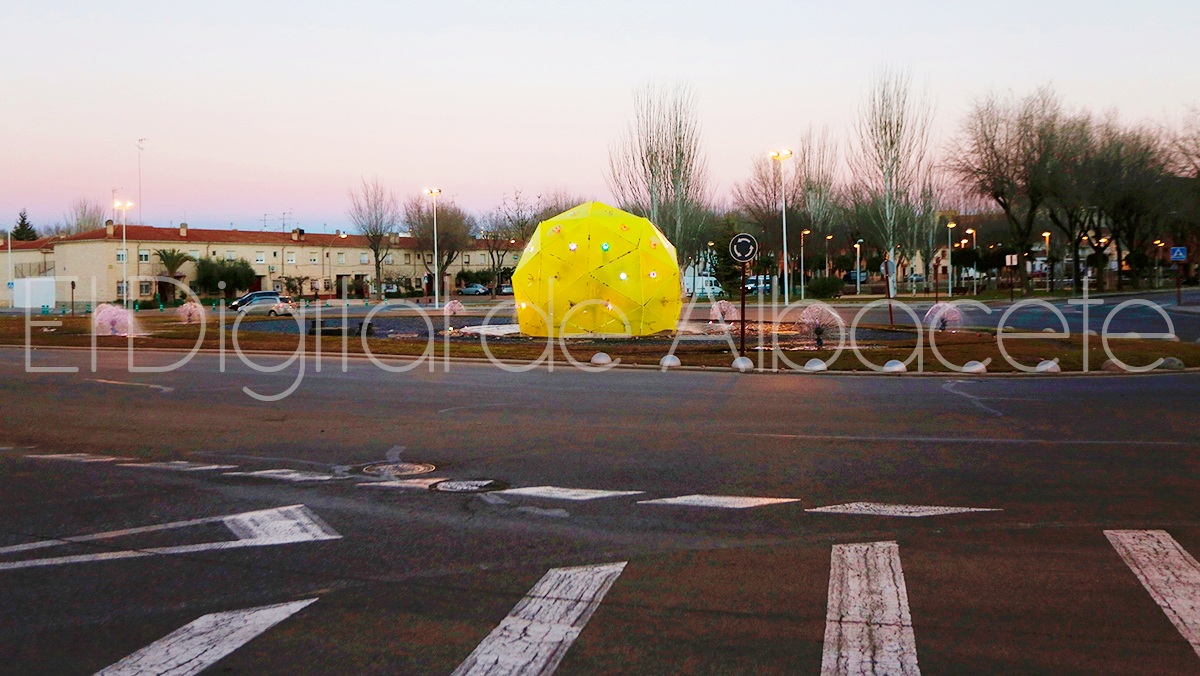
(149, 233)
(32, 245)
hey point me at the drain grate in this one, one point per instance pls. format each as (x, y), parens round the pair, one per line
(395, 469)
(468, 486)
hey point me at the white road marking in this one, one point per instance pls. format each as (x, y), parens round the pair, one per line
(286, 475)
(279, 526)
(422, 484)
(868, 628)
(976, 401)
(393, 454)
(200, 644)
(542, 626)
(881, 509)
(559, 493)
(1168, 572)
(160, 388)
(178, 466)
(720, 501)
(961, 440)
(77, 457)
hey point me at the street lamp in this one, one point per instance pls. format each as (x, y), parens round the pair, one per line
(780, 156)
(1158, 259)
(802, 234)
(975, 249)
(124, 208)
(1049, 269)
(857, 264)
(949, 257)
(437, 281)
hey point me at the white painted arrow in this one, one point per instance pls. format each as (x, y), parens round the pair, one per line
(278, 526)
(196, 646)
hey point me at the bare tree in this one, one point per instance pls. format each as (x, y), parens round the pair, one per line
(375, 212)
(455, 230)
(658, 168)
(84, 215)
(891, 151)
(507, 227)
(1007, 152)
(1186, 146)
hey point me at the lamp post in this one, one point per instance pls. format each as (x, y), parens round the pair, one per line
(1049, 268)
(802, 234)
(950, 258)
(975, 249)
(124, 208)
(827, 238)
(437, 281)
(1158, 261)
(857, 264)
(780, 156)
(11, 274)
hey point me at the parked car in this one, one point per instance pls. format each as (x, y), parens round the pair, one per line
(915, 277)
(849, 277)
(270, 305)
(505, 290)
(474, 290)
(707, 287)
(253, 295)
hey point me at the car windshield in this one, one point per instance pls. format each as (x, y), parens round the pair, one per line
(285, 299)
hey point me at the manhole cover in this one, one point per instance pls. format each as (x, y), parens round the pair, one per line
(468, 486)
(391, 469)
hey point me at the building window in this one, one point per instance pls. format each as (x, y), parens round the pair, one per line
(429, 258)
(312, 258)
(229, 255)
(363, 259)
(341, 259)
(466, 259)
(120, 255)
(407, 259)
(260, 257)
(327, 284)
(120, 289)
(388, 259)
(291, 257)
(144, 288)
(195, 254)
(143, 255)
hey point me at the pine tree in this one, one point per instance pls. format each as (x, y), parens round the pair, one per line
(24, 231)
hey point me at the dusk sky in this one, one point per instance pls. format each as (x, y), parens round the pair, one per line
(253, 108)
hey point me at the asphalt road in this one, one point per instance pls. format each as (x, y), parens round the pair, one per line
(1092, 477)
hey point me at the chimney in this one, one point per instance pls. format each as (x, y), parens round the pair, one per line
(301, 231)
(295, 234)
(183, 229)
(337, 233)
(108, 229)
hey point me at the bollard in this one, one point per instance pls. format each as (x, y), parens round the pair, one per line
(88, 309)
(45, 309)
(160, 307)
(366, 303)
(64, 310)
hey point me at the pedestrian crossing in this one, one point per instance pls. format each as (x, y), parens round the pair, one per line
(870, 627)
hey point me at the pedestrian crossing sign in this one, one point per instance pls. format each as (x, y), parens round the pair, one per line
(1178, 253)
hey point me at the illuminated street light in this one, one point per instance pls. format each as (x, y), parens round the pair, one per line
(802, 234)
(857, 265)
(949, 265)
(437, 282)
(124, 208)
(975, 248)
(1049, 268)
(780, 156)
(827, 238)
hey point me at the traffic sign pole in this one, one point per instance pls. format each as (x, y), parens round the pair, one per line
(742, 353)
(1179, 284)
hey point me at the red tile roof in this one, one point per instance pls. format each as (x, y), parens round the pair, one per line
(35, 245)
(149, 233)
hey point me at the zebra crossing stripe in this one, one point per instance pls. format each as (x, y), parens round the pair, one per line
(542, 626)
(196, 646)
(1168, 572)
(868, 628)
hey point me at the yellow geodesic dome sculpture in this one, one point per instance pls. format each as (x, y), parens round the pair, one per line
(591, 269)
